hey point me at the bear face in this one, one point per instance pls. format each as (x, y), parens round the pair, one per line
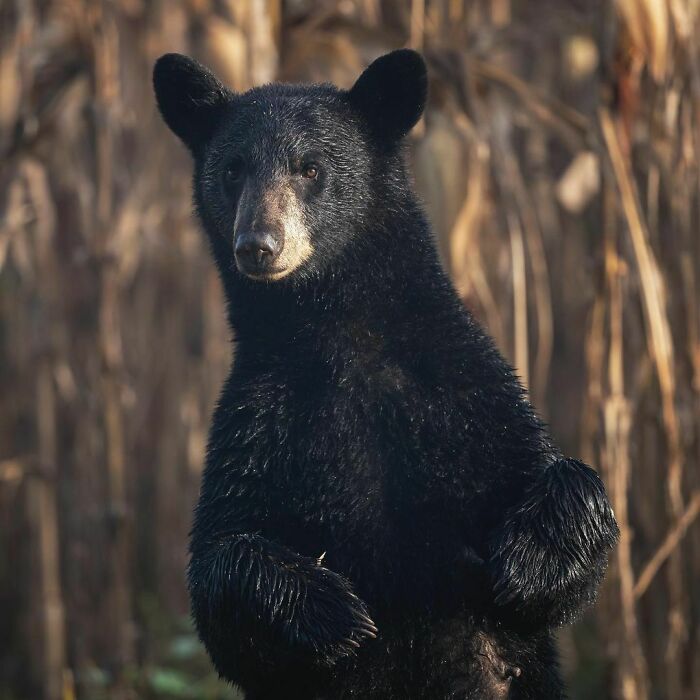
(272, 179)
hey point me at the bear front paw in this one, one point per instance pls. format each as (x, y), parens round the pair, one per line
(330, 622)
(551, 553)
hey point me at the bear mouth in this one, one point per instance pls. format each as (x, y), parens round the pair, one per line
(271, 275)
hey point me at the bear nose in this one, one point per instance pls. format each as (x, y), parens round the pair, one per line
(256, 249)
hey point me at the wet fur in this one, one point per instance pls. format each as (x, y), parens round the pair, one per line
(369, 419)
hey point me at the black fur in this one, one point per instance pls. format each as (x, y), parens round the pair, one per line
(391, 94)
(373, 459)
(190, 98)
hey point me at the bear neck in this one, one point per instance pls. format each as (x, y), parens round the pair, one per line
(390, 273)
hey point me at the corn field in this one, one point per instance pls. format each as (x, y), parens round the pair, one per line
(559, 162)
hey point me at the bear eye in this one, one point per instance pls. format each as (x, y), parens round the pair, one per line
(233, 173)
(310, 171)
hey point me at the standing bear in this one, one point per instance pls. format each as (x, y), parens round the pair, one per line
(382, 514)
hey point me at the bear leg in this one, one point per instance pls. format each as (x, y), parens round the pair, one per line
(550, 555)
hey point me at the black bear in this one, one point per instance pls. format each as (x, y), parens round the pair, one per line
(382, 514)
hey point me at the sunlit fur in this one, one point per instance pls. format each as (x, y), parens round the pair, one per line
(373, 460)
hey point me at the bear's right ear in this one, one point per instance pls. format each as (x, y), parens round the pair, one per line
(190, 98)
(391, 93)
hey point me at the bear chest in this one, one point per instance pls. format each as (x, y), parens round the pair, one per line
(350, 457)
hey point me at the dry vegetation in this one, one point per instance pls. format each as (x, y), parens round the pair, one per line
(559, 162)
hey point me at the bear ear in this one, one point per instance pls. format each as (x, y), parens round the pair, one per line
(391, 93)
(190, 98)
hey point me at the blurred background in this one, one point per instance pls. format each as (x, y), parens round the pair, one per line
(558, 159)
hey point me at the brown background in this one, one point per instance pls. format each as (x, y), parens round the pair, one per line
(558, 161)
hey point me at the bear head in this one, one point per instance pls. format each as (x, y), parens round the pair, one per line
(285, 175)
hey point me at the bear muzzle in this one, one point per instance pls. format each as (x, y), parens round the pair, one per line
(271, 239)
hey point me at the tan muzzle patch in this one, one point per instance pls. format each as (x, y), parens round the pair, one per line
(281, 211)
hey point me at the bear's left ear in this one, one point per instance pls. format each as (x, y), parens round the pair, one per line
(391, 93)
(190, 98)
